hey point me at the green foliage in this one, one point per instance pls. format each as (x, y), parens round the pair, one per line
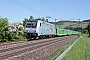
(43, 19)
(13, 34)
(31, 17)
(85, 31)
(14, 30)
(89, 29)
(86, 20)
(46, 20)
(24, 22)
(80, 51)
(21, 37)
(21, 23)
(3, 25)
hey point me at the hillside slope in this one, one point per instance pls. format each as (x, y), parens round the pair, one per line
(70, 24)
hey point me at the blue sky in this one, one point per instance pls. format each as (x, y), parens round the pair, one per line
(17, 10)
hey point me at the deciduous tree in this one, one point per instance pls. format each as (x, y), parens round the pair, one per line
(89, 29)
(24, 22)
(31, 17)
(3, 25)
(46, 20)
(43, 19)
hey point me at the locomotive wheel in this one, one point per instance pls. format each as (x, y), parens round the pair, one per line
(37, 37)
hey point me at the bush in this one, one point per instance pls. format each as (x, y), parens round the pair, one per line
(3, 40)
(21, 37)
(85, 31)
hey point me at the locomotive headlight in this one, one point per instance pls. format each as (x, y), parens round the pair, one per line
(26, 30)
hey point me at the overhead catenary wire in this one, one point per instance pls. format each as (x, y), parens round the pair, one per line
(51, 6)
(44, 8)
(54, 9)
(45, 4)
(41, 6)
(27, 7)
(48, 6)
(60, 7)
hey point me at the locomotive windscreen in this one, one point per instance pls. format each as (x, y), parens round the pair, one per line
(31, 24)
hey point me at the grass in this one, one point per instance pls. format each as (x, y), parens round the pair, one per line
(60, 51)
(80, 51)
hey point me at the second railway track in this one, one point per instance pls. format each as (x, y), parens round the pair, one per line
(21, 49)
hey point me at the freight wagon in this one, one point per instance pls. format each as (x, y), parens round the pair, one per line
(62, 32)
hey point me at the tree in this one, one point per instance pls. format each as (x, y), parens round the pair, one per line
(14, 30)
(24, 22)
(3, 25)
(89, 29)
(31, 17)
(43, 19)
(46, 20)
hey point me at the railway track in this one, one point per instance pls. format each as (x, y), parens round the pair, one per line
(6, 44)
(22, 48)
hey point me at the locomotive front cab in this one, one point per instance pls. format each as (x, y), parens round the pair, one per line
(30, 29)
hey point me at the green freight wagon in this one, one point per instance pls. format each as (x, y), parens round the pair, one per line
(61, 31)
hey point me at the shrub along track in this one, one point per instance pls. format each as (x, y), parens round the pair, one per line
(34, 50)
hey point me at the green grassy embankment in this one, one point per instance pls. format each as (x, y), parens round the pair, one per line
(60, 51)
(80, 51)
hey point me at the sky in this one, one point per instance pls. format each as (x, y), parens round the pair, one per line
(17, 10)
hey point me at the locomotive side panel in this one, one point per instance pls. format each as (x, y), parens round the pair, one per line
(48, 29)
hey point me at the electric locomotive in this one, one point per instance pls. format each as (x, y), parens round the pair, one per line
(35, 28)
